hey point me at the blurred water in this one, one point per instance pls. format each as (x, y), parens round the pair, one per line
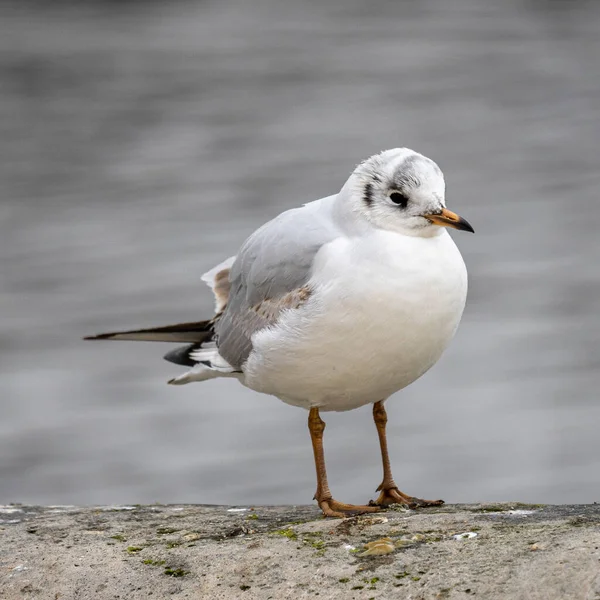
(142, 143)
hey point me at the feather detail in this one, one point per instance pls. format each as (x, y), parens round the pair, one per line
(218, 281)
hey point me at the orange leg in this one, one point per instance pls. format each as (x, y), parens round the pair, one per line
(390, 494)
(329, 506)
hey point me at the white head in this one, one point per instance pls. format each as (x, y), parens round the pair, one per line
(403, 191)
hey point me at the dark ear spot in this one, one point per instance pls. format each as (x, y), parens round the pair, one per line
(368, 194)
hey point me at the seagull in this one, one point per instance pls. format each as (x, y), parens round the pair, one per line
(336, 304)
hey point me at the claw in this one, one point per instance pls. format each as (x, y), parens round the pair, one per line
(420, 503)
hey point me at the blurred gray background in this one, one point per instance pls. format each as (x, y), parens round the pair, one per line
(142, 142)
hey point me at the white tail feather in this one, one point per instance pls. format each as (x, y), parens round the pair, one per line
(201, 373)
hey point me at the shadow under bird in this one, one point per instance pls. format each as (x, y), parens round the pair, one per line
(336, 304)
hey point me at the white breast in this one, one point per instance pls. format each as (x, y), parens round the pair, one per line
(384, 308)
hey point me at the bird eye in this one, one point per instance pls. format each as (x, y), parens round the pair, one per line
(400, 199)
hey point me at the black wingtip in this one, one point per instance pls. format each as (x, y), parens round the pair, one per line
(181, 355)
(100, 336)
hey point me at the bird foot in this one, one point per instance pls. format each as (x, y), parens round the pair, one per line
(333, 508)
(392, 495)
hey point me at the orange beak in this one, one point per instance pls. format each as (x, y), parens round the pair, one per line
(449, 219)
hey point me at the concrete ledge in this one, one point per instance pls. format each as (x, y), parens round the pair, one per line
(504, 551)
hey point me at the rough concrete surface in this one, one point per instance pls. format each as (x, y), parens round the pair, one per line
(460, 551)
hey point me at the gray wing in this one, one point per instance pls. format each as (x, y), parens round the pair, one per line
(270, 274)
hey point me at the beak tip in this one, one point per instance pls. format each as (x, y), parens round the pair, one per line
(463, 225)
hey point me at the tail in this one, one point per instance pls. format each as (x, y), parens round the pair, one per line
(183, 332)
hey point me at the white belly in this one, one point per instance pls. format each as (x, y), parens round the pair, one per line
(383, 311)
